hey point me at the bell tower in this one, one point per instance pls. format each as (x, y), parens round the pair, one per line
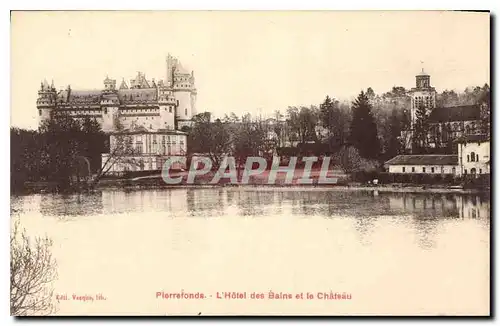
(423, 95)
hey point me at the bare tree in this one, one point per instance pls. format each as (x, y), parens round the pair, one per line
(32, 270)
(348, 159)
(121, 151)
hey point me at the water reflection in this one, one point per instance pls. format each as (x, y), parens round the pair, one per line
(213, 202)
(422, 211)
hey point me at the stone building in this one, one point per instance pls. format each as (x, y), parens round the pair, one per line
(445, 124)
(143, 118)
(166, 104)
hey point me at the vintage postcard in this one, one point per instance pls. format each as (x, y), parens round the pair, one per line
(257, 163)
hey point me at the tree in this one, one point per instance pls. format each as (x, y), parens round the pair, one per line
(249, 139)
(348, 159)
(363, 130)
(93, 142)
(393, 145)
(32, 270)
(121, 151)
(484, 101)
(25, 152)
(303, 123)
(334, 120)
(421, 132)
(61, 138)
(278, 128)
(211, 138)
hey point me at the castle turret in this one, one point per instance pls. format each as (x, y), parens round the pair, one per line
(109, 105)
(182, 83)
(46, 102)
(109, 84)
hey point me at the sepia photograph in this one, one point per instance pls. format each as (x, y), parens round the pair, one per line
(250, 163)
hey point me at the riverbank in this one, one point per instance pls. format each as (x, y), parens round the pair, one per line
(343, 183)
(387, 188)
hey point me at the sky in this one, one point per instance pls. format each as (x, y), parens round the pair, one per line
(248, 61)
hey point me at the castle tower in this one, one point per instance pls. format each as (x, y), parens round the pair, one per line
(109, 105)
(46, 101)
(422, 95)
(182, 83)
(109, 84)
(166, 104)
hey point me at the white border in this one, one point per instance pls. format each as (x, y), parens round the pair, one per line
(492, 5)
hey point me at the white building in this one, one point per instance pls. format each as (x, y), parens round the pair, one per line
(473, 159)
(474, 154)
(427, 164)
(143, 150)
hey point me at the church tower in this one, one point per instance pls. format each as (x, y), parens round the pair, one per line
(422, 95)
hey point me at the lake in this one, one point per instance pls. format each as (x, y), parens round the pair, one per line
(392, 253)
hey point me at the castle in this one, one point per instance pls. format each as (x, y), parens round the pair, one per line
(164, 105)
(147, 116)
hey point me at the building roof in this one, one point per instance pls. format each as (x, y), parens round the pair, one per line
(455, 113)
(422, 73)
(473, 139)
(141, 130)
(423, 160)
(137, 95)
(123, 85)
(85, 96)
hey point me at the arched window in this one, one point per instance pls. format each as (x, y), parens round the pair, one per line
(453, 170)
(468, 158)
(472, 157)
(477, 157)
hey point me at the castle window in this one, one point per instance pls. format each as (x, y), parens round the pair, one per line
(472, 157)
(39, 112)
(170, 109)
(477, 157)
(423, 170)
(480, 171)
(468, 158)
(453, 170)
(432, 169)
